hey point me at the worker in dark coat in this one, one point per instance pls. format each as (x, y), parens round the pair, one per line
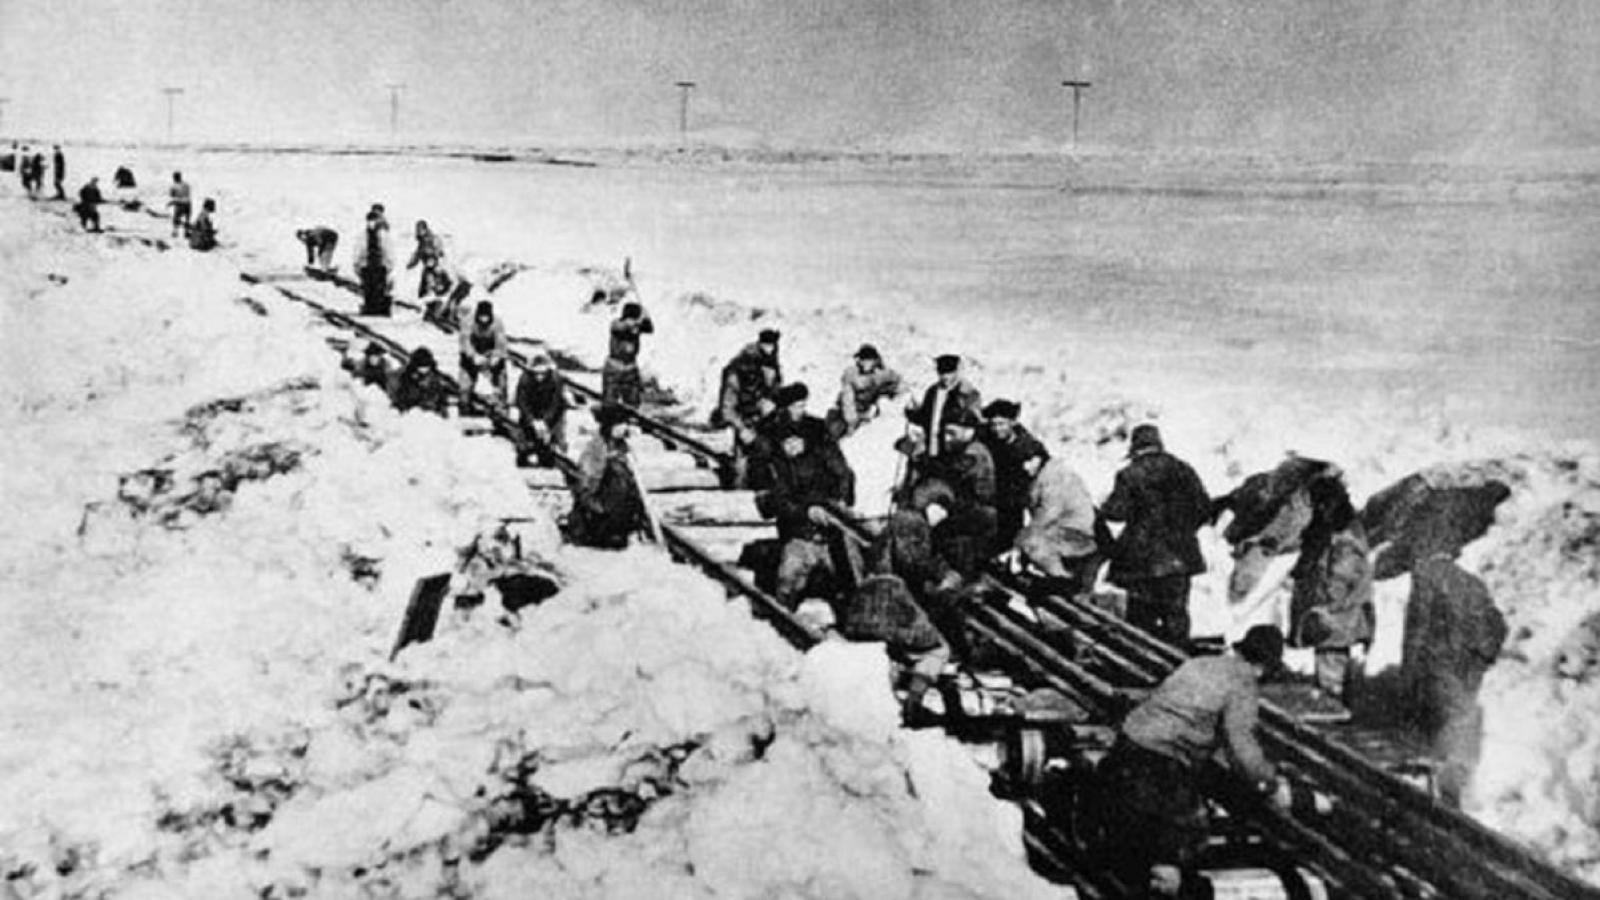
(607, 501)
(1017, 455)
(745, 399)
(320, 243)
(956, 493)
(1147, 789)
(808, 472)
(1163, 503)
(1453, 634)
(542, 403)
(203, 231)
(865, 382)
(620, 381)
(374, 266)
(950, 397)
(59, 172)
(88, 207)
(419, 385)
(884, 607)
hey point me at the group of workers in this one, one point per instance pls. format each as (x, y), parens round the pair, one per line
(199, 231)
(977, 490)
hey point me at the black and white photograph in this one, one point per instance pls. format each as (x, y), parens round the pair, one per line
(800, 449)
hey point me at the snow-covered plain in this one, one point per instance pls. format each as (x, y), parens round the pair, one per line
(1388, 318)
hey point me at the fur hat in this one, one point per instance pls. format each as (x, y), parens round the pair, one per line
(609, 414)
(1144, 437)
(948, 362)
(867, 351)
(1002, 409)
(768, 336)
(792, 392)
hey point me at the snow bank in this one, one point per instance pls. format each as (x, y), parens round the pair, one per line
(208, 555)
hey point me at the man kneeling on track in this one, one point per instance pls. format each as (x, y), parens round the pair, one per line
(807, 471)
(483, 349)
(1149, 797)
(607, 503)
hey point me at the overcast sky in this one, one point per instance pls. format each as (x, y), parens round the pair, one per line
(1382, 77)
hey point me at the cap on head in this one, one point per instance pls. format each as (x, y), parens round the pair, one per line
(768, 336)
(867, 351)
(794, 392)
(541, 361)
(422, 357)
(374, 349)
(1002, 409)
(484, 311)
(631, 310)
(964, 418)
(1144, 437)
(946, 363)
(1262, 645)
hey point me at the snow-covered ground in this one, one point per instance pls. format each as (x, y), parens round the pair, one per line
(210, 536)
(1387, 318)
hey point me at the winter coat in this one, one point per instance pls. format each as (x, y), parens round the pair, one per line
(1164, 504)
(1060, 515)
(486, 342)
(884, 609)
(1011, 478)
(625, 339)
(1332, 602)
(89, 195)
(748, 382)
(413, 392)
(1258, 502)
(375, 252)
(860, 392)
(203, 233)
(606, 505)
(542, 399)
(817, 476)
(960, 398)
(1452, 628)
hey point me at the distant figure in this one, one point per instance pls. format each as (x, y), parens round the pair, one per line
(429, 253)
(8, 160)
(1059, 538)
(542, 405)
(607, 502)
(1149, 784)
(950, 397)
(179, 199)
(88, 206)
(1164, 505)
(320, 242)
(419, 385)
(1017, 457)
(864, 382)
(483, 350)
(59, 172)
(808, 472)
(38, 175)
(373, 367)
(24, 167)
(745, 399)
(374, 267)
(620, 381)
(203, 231)
(123, 179)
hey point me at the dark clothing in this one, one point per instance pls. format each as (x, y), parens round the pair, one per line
(320, 243)
(606, 505)
(625, 338)
(962, 481)
(414, 391)
(543, 402)
(1160, 606)
(1257, 501)
(88, 207)
(1164, 504)
(123, 178)
(373, 265)
(620, 379)
(931, 414)
(1151, 811)
(373, 373)
(1417, 519)
(817, 476)
(1453, 633)
(748, 383)
(59, 174)
(203, 233)
(1011, 479)
(884, 609)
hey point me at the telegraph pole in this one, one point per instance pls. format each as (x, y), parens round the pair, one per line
(394, 108)
(684, 87)
(1078, 87)
(3, 102)
(172, 94)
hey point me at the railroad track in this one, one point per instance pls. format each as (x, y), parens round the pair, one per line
(1380, 837)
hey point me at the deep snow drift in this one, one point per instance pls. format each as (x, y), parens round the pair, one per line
(211, 534)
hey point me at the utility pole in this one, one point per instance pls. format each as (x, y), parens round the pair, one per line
(684, 87)
(1078, 87)
(394, 108)
(172, 93)
(3, 102)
